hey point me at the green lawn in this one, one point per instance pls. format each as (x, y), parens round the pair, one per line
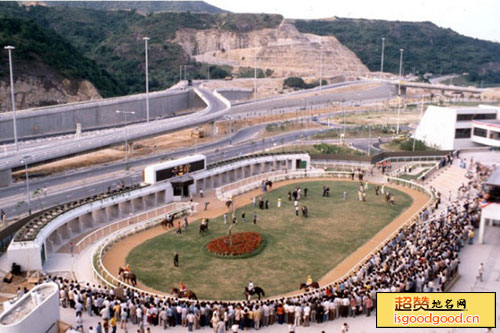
(296, 246)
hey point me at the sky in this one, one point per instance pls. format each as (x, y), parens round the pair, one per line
(474, 18)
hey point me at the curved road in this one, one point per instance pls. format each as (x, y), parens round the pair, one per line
(216, 108)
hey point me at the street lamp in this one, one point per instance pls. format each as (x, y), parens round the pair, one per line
(369, 140)
(321, 66)
(147, 77)
(25, 161)
(382, 56)
(400, 61)
(126, 132)
(9, 50)
(399, 86)
(255, 77)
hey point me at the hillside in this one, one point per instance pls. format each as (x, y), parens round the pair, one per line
(280, 52)
(47, 68)
(113, 39)
(428, 48)
(143, 6)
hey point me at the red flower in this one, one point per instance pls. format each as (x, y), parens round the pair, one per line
(243, 243)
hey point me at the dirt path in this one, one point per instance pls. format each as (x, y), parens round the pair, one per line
(116, 256)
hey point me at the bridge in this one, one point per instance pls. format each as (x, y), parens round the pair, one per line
(217, 106)
(442, 87)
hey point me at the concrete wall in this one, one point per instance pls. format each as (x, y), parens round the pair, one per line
(95, 114)
(5, 177)
(41, 318)
(437, 127)
(236, 94)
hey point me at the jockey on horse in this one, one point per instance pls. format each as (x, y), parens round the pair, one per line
(182, 289)
(251, 287)
(309, 281)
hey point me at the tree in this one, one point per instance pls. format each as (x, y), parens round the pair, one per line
(294, 82)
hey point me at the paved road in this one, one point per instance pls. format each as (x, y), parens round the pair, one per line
(47, 150)
(215, 109)
(82, 183)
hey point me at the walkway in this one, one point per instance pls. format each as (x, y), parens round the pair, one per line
(470, 257)
(447, 181)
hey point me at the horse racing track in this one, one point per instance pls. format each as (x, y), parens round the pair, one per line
(296, 246)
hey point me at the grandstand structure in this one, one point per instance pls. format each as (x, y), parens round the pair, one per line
(98, 222)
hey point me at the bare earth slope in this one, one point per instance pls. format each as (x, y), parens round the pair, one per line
(284, 50)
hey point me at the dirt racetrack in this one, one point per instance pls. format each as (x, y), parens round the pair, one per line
(115, 257)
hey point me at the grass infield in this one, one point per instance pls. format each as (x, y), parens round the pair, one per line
(295, 246)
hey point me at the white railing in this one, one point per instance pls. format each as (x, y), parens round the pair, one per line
(401, 170)
(409, 222)
(411, 158)
(223, 193)
(341, 166)
(426, 174)
(101, 272)
(274, 176)
(112, 227)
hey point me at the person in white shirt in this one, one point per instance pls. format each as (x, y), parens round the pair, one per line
(190, 321)
(250, 287)
(307, 313)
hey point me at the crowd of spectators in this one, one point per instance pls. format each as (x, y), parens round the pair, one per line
(421, 258)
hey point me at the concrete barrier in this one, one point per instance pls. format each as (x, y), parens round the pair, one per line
(63, 119)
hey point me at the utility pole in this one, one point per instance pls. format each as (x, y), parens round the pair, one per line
(255, 77)
(147, 76)
(369, 140)
(382, 56)
(9, 50)
(399, 87)
(28, 194)
(321, 67)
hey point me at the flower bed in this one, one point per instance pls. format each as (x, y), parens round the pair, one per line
(244, 243)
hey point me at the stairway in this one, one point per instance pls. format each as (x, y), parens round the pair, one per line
(448, 179)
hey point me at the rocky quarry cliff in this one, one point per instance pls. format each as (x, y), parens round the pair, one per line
(284, 50)
(36, 91)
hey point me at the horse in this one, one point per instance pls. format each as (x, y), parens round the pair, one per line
(127, 277)
(204, 226)
(229, 203)
(168, 221)
(256, 291)
(314, 285)
(189, 294)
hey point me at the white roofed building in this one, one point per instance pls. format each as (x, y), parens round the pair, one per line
(450, 128)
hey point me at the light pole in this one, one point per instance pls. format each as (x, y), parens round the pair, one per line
(255, 77)
(382, 56)
(421, 111)
(399, 87)
(321, 67)
(400, 61)
(369, 140)
(126, 132)
(25, 161)
(147, 76)
(9, 50)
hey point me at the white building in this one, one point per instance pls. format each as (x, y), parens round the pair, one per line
(490, 206)
(449, 128)
(35, 311)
